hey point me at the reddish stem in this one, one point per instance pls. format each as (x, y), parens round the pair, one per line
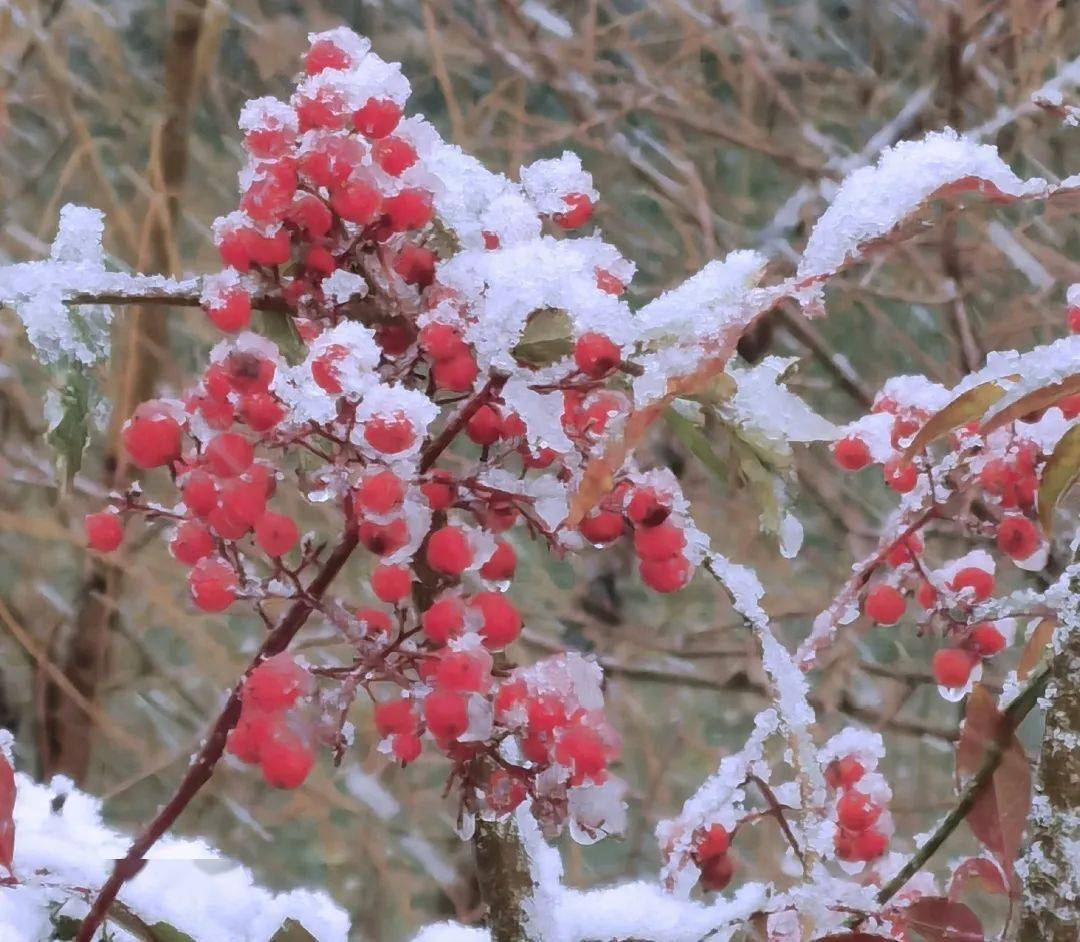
(200, 770)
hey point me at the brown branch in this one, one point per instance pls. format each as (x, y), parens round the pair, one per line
(202, 767)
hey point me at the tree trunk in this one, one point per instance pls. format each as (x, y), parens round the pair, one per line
(1051, 894)
(506, 882)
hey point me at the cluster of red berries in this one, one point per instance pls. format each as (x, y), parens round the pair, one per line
(659, 539)
(856, 814)
(269, 733)
(711, 855)
(224, 489)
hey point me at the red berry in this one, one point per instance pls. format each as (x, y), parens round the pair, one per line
(391, 583)
(485, 426)
(230, 312)
(276, 683)
(229, 454)
(260, 411)
(581, 749)
(856, 812)
(608, 283)
(464, 671)
(409, 209)
(416, 265)
(243, 502)
(104, 531)
(596, 355)
(377, 118)
(382, 539)
(199, 493)
(379, 493)
(276, 534)
(502, 563)
(504, 791)
(396, 716)
(225, 526)
(905, 550)
(665, 575)
(985, 640)
(406, 748)
(1017, 537)
(869, 845)
(253, 729)
(884, 605)
(926, 595)
(439, 491)
(456, 374)
(852, 454)
(286, 760)
(660, 542)
(978, 580)
(844, 772)
(508, 697)
(323, 55)
(329, 160)
(324, 369)
(903, 429)
(602, 527)
(389, 434)
(357, 201)
(448, 551)
(446, 714)
(213, 584)
(444, 620)
(646, 508)
(546, 712)
(501, 624)
(192, 542)
(310, 214)
(578, 211)
(152, 437)
(374, 621)
(320, 260)
(441, 341)
(394, 155)
(713, 843)
(952, 666)
(269, 250)
(1073, 319)
(1070, 405)
(716, 873)
(900, 475)
(394, 337)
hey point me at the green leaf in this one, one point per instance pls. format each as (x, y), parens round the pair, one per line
(292, 931)
(1060, 473)
(281, 328)
(163, 932)
(64, 928)
(70, 434)
(545, 339)
(693, 438)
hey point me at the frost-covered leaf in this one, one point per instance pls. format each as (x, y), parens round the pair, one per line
(937, 919)
(979, 871)
(163, 932)
(695, 441)
(545, 339)
(1041, 398)
(1000, 808)
(72, 429)
(1060, 473)
(967, 407)
(281, 328)
(292, 931)
(854, 937)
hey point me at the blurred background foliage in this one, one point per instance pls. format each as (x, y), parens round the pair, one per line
(709, 125)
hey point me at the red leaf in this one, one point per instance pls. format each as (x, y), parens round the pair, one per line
(979, 870)
(1001, 807)
(7, 811)
(937, 919)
